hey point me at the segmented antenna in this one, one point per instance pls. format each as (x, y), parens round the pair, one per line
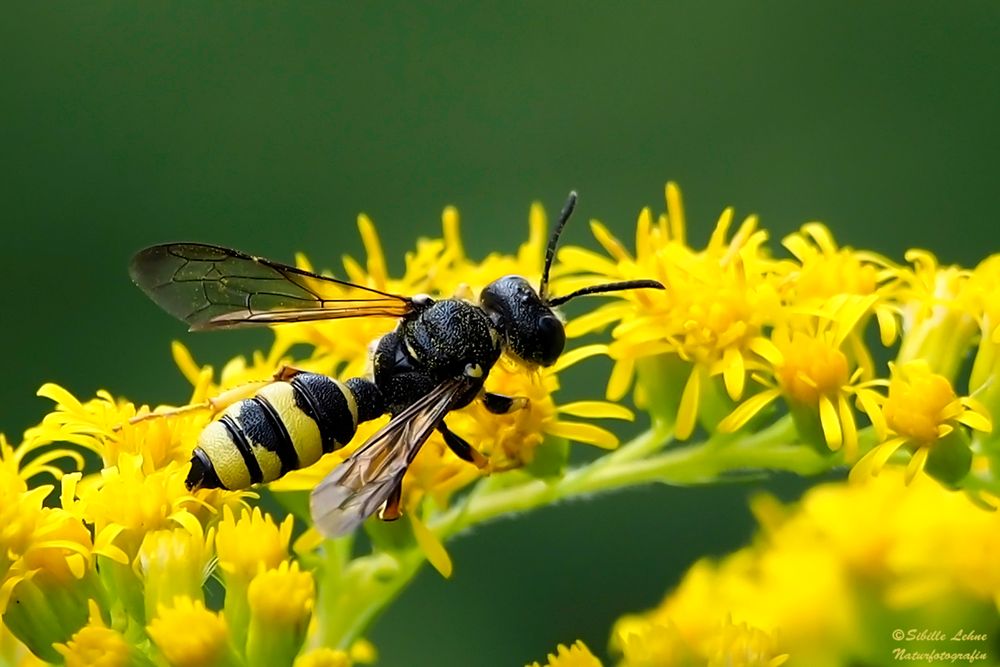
(609, 287)
(550, 252)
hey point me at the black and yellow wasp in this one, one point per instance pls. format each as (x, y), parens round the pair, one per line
(436, 360)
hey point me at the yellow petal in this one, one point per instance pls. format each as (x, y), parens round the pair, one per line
(597, 319)
(887, 327)
(61, 397)
(597, 410)
(609, 242)
(585, 433)
(620, 379)
(734, 372)
(916, 463)
(589, 260)
(185, 362)
(452, 233)
(373, 247)
(431, 546)
(872, 462)
(577, 355)
(675, 212)
(850, 428)
(767, 350)
(976, 421)
(743, 412)
(831, 423)
(687, 412)
(869, 404)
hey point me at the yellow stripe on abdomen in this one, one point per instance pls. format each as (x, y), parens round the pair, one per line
(302, 430)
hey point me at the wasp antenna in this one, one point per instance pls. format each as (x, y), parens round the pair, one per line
(608, 287)
(550, 252)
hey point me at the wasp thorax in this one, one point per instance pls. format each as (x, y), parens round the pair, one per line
(531, 330)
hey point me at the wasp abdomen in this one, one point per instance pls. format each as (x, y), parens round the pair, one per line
(286, 426)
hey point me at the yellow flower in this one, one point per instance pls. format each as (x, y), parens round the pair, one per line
(250, 542)
(97, 645)
(576, 655)
(101, 426)
(323, 657)
(923, 414)
(189, 635)
(715, 307)
(740, 645)
(984, 379)
(805, 363)
(824, 271)
(129, 499)
(174, 563)
(245, 546)
(939, 312)
(644, 642)
(281, 602)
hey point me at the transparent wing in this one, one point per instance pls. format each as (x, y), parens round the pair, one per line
(356, 488)
(213, 287)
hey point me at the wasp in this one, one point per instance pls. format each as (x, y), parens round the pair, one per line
(436, 360)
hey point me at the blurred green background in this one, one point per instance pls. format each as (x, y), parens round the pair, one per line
(269, 126)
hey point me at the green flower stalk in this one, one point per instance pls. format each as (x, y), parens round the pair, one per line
(752, 360)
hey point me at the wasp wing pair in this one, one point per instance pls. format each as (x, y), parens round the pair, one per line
(212, 287)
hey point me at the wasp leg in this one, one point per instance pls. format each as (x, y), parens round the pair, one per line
(390, 509)
(500, 404)
(213, 405)
(225, 399)
(462, 449)
(286, 373)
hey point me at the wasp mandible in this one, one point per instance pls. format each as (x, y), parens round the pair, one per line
(436, 360)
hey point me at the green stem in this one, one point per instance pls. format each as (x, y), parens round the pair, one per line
(360, 592)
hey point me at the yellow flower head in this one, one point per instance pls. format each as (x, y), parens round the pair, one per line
(716, 303)
(575, 655)
(510, 440)
(923, 413)
(323, 657)
(282, 596)
(281, 603)
(644, 640)
(174, 563)
(20, 508)
(805, 363)
(939, 313)
(252, 542)
(101, 426)
(189, 635)
(740, 645)
(823, 271)
(97, 645)
(128, 500)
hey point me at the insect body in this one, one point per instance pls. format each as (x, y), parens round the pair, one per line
(288, 425)
(436, 360)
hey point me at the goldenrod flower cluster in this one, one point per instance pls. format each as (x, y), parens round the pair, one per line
(750, 360)
(120, 565)
(741, 330)
(851, 575)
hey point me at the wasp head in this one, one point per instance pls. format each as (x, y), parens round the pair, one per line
(531, 330)
(525, 318)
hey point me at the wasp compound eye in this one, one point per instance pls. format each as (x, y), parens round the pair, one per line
(551, 339)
